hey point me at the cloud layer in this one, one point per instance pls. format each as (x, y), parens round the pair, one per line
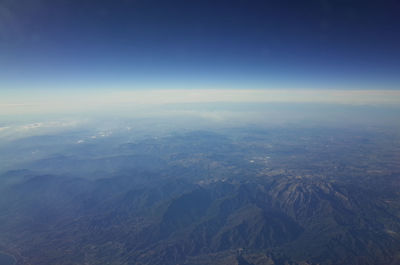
(78, 101)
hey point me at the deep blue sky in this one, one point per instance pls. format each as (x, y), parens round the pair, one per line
(53, 44)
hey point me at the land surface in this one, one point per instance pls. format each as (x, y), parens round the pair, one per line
(283, 195)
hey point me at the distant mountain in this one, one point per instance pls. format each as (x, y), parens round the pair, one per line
(189, 209)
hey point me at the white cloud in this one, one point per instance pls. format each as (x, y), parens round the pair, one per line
(262, 96)
(106, 100)
(15, 129)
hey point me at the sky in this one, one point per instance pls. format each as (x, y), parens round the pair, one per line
(67, 46)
